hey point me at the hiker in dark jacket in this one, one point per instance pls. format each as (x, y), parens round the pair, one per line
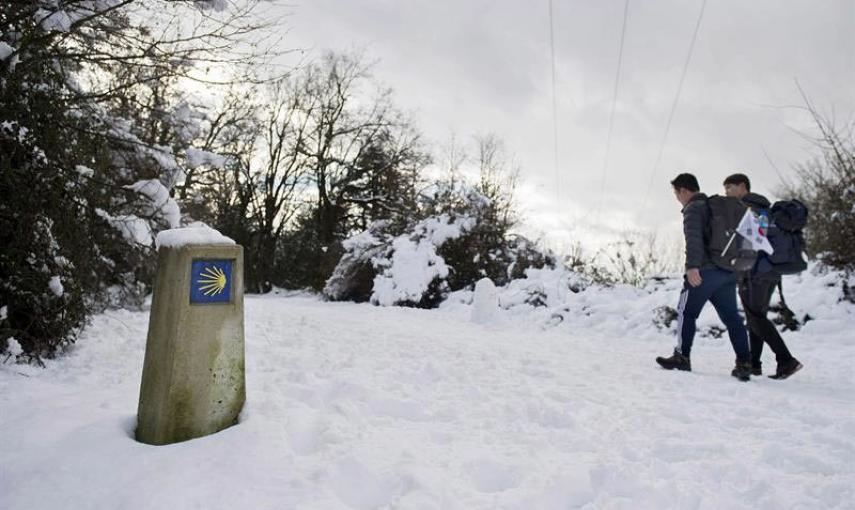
(704, 281)
(755, 291)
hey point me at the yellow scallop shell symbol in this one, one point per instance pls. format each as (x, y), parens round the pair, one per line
(212, 281)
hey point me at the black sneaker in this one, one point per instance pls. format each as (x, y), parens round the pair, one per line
(677, 361)
(787, 368)
(742, 371)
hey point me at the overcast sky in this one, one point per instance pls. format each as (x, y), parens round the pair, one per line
(475, 66)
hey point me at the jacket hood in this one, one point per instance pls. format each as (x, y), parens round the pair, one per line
(756, 201)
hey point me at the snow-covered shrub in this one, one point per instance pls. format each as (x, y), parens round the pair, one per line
(543, 287)
(464, 237)
(848, 286)
(489, 248)
(403, 270)
(413, 273)
(827, 187)
(93, 136)
(61, 249)
(39, 290)
(353, 277)
(480, 254)
(664, 316)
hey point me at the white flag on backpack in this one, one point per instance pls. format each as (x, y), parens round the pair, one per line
(749, 228)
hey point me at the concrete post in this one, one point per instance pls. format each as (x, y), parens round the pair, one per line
(193, 381)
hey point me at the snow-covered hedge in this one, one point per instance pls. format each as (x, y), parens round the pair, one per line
(403, 270)
(438, 255)
(90, 157)
(548, 298)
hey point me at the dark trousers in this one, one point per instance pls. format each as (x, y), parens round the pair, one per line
(755, 292)
(719, 288)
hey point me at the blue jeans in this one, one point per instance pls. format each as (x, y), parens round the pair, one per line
(719, 288)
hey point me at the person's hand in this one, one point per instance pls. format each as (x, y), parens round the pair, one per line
(693, 276)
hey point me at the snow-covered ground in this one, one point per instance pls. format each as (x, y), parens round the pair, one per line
(363, 407)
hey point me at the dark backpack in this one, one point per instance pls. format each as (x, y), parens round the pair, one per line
(727, 249)
(786, 235)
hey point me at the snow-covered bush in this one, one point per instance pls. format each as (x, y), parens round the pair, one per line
(464, 235)
(413, 273)
(353, 277)
(419, 268)
(403, 270)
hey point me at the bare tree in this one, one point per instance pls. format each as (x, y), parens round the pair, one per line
(498, 177)
(827, 186)
(345, 121)
(638, 256)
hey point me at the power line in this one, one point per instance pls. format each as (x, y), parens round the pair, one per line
(674, 105)
(614, 101)
(554, 111)
(783, 181)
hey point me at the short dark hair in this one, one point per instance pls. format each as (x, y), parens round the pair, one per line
(686, 181)
(738, 179)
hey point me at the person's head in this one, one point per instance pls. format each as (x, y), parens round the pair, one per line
(737, 185)
(685, 187)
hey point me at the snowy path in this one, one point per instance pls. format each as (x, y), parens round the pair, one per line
(360, 407)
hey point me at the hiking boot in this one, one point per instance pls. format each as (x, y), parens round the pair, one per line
(675, 361)
(756, 368)
(742, 371)
(787, 368)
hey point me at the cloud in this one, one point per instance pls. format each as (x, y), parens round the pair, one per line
(478, 66)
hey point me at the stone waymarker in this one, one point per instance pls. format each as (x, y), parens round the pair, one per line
(193, 381)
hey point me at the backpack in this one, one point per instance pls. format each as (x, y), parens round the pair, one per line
(727, 249)
(786, 235)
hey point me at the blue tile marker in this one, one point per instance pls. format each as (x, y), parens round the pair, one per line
(210, 281)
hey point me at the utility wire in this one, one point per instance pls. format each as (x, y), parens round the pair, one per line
(612, 113)
(674, 105)
(554, 111)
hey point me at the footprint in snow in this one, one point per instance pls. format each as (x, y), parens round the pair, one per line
(491, 476)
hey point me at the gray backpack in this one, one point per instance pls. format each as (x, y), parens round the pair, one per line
(727, 249)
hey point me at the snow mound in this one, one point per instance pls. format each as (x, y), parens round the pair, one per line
(485, 302)
(178, 237)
